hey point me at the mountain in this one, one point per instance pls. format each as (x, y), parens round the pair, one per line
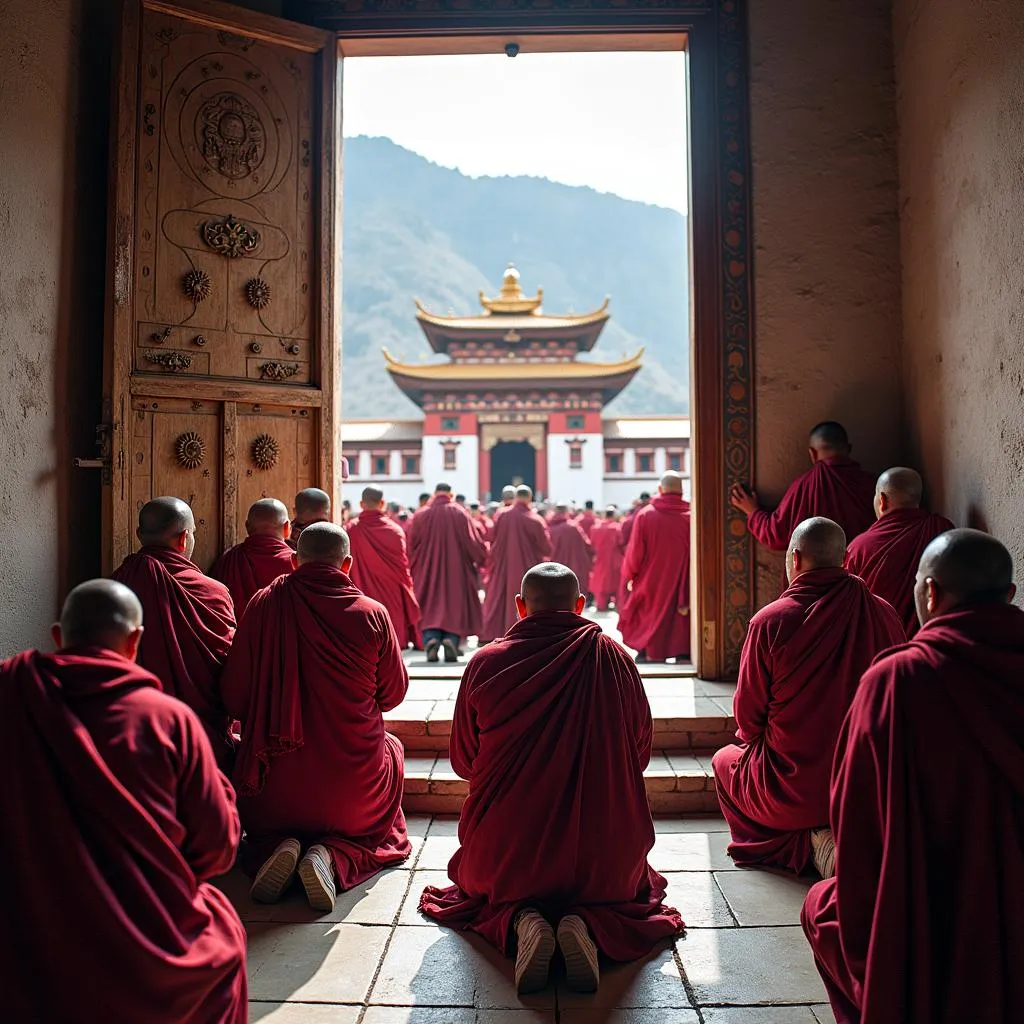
(413, 229)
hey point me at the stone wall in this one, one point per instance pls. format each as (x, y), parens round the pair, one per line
(961, 112)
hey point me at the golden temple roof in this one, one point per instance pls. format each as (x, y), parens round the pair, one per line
(511, 298)
(512, 370)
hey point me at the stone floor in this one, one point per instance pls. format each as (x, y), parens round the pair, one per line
(375, 960)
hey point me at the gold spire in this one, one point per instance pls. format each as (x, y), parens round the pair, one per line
(511, 299)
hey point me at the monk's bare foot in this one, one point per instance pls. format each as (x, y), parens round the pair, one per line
(535, 946)
(582, 972)
(277, 872)
(432, 647)
(316, 870)
(823, 851)
(451, 652)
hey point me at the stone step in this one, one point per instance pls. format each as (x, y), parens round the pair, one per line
(677, 782)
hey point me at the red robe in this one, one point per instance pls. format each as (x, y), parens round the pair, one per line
(586, 521)
(520, 542)
(801, 664)
(445, 552)
(553, 731)
(188, 624)
(251, 566)
(313, 666)
(837, 489)
(606, 575)
(887, 556)
(570, 547)
(380, 569)
(656, 618)
(114, 816)
(924, 920)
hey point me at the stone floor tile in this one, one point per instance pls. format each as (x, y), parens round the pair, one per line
(235, 885)
(417, 824)
(419, 764)
(420, 879)
(320, 963)
(454, 1015)
(438, 967)
(706, 688)
(584, 1015)
(682, 762)
(444, 826)
(759, 1015)
(652, 982)
(747, 966)
(375, 901)
(670, 688)
(690, 851)
(303, 1013)
(437, 851)
(823, 1013)
(764, 897)
(695, 895)
(702, 823)
(443, 770)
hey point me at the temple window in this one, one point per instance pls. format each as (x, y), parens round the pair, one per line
(380, 464)
(645, 462)
(450, 423)
(449, 457)
(575, 422)
(411, 464)
(675, 462)
(575, 454)
(613, 462)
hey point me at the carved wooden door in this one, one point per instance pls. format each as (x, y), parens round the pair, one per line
(222, 346)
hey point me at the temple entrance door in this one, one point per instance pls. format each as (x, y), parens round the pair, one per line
(221, 359)
(513, 462)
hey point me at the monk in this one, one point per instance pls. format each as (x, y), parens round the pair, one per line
(887, 556)
(319, 781)
(446, 553)
(311, 506)
(924, 920)
(114, 816)
(835, 487)
(380, 565)
(553, 731)
(508, 499)
(263, 556)
(629, 519)
(656, 619)
(569, 544)
(606, 575)
(520, 540)
(802, 660)
(587, 519)
(191, 620)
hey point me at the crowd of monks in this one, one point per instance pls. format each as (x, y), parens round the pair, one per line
(186, 719)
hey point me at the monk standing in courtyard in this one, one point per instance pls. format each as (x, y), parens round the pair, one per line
(569, 544)
(190, 619)
(114, 818)
(311, 506)
(655, 621)
(801, 664)
(835, 487)
(446, 553)
(263, 556)
(887, 556)
(924, 920)
(380, 565)
(314, 666)
(606, 575)
(520, 540)
(553, 731)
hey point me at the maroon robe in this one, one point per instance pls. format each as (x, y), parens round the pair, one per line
(570, 547)
(445, 552)
(801, 664)
(251, 566)
(887, 556)
(380, 569)
(115, 817)
(606, 575)
(189, 622)
(314, 664)
(656, 618)
(586, 521)
(924, 920)
(520, 542)
(837, 489)
(553, 731)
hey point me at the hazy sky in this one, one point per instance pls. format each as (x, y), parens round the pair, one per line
(613, 121)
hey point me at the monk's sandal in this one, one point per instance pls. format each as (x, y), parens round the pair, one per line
(316, 870)
(535, 946)
(823, 851)
(582, 973)
(277, 872)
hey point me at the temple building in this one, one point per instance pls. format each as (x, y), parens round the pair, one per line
(514, 404)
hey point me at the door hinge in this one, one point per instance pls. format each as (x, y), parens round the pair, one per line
(103, 459)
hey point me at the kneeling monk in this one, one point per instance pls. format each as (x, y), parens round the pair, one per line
(114, 815)
(801, 663)
(553, 731)
(924, 920)
(314, 664)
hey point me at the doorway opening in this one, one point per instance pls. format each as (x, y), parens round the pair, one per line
(516, 462)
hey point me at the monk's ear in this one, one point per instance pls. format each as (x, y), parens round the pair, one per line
(181, 542)
(1012, 593)
(287, 529)
(131, 644)
(581, 603)
(58, 640)
(521, 608)
(346, 565)
(295, 561)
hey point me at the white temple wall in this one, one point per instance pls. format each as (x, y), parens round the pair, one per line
(465, 477)
(566, 483)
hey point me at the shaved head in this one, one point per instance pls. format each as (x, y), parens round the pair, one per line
(550, 587)
(901, 488)
(562, 507)
(671, 483)
(611, 512)
(962, 568)
(508, 494)
(323, 543)
(165, 522)
(816, 543)
(267, 517)
(100, 613)
(373, 497)
(523, 493)
(829, 438)
(312, 505)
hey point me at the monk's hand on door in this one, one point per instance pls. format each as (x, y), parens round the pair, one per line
(741, 497)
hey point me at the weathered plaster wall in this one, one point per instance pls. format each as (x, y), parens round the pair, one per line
(826, 236)
(961, 112)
